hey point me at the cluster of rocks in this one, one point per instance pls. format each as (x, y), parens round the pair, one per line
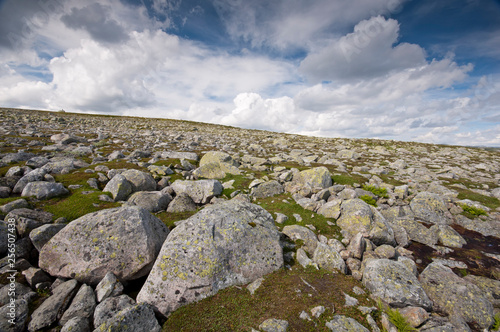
(88, 263)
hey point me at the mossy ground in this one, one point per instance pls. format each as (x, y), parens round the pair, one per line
(284, 294)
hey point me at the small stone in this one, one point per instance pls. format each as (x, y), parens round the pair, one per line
(252, 287)
(109, 286)
(416, 316)
(317, 311)
(350, 301)
(304, 315)
(281, 218)
(274, 325)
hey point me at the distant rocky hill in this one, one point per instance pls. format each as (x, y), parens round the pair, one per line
(138, 224)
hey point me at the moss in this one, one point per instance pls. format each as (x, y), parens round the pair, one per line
(169, 218)
(379, 191)
(487, 201)
(368, 200)
(350, 180)
(472, 211)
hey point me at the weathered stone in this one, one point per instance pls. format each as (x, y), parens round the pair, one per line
(17, 157)
(140, 181)
(357, 246)
(429, 207)
(41, 235)
(267, 189)
(44, 190)
(14, 321)
(123, 240)
(331, 209)
(274, 325)
(296, 232)
(76, 324)
(328, 258)
(318, 177)
(385, 251)
(341, 323)
(303, 259)
(35, 175)
(456, 296)
(359, 217)
(215, 165)
(37, 162)
(35, 275)
(27, 220)
(281, 218)
(17, 204)
(200, 191)
(254, 285)
(108, 308)
(82, 306)
(53, 308)
(139, 317)
(394, 283)
(63, 165)
(181, 203)
(416, 316)
(448, 237)
(225, 244)
(153, 201)
(119, 187)
(489, 287)
(108, 286)
(418, 232)
(21, 292)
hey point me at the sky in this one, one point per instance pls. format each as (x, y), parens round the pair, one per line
(407, 70)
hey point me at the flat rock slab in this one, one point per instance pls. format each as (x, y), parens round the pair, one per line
(123, 240)
(230, 243)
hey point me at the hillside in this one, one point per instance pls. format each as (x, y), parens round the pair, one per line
(140, 224)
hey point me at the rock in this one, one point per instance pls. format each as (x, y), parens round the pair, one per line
(119, 187)
(140, 181)
(329, 259)
(41, 235)
(274, 325)
(357, 246)
(350, 301)
(296, 232)
(215, 165)
(27, 220)
(179, 155)
(357, 216)
(181, 203)
(116, 155)
(280, 218)
(341, 323)
(17, 157)
(401, 192)
(226, 244)
(37, 162)
(14, 321)
(108, 286)
(317, 311)
(331, 209)
(394, 283)
(44, 190)
(53, 308)
(65, 139)
(200, 191)
(35, 276)
(456, 296)
(63, 165)
(267, 189)
(21, 292)
(108, 308)
(139, 317)
(303, 259)
(385, 251)
(17, 204)
(448, 237)
(418, 232)
(35, 175)
(5, 191)
(254, 285)
(489, 287)
(82, 306)
(416, 316)
(123, 240)
(76, 324)
(160, 171)
(153, 201)
(318, 177)
(429, 207)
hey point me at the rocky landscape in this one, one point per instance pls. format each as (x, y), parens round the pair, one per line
(136, 224)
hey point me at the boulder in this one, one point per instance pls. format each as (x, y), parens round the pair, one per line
(17, 157)
(53, 308)
(123, 240)
(44, 190)
(490, 288)
(37, 162)
(181, 203)
(359, 217)
(108, 308)
(318, 177)
(341, 323)
(41, 235)
(394, 283)
(153, 201)
(35, 175)
(456, 296)
(19, 317)
(140, 181)
(267, 189)
(331, 209)
(82, 306)
(274, 325)
(76, 324)
(17, 204)
(430, 208)
(63, 165)
(200, 191)
(230, 243)
(139, 317)
(449, 237)
(109, 286)
(296, 232)
(418, 232)
(329, 259)
(119, 187)
(215, 165)
(27, 219)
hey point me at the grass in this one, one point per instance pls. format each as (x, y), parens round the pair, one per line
(496, 325)
(380, 192)
(472, 212)
(169, 218)
(275, 204)
(350, 180)
(368, 200)
(487, 201)
(283, 294)
(241, 182)
(396, 318)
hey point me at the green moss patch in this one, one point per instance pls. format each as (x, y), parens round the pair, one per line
(350, 180)
(284, 294)
(379, 191)
(169, 218)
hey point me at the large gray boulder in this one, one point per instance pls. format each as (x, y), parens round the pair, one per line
(140, 181)
(318, 177)
(430, 208)
(181, 203)
(139, 317)
(267, 189)
(35, 175)
(456, 296)
(200, 191)
(82, 306)
(297, 232)
(119, 187)
(215, 165)
(329, 259)
(123, 240)
(358, 217)
(41, 235)
(394, 283)
(226, 244)
(44, 190)
(27, 219)
(153, 201)
(418, 232)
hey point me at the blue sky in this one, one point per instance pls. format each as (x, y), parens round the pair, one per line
(426, 71)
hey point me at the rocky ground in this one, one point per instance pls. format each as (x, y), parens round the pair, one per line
(132, 224)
